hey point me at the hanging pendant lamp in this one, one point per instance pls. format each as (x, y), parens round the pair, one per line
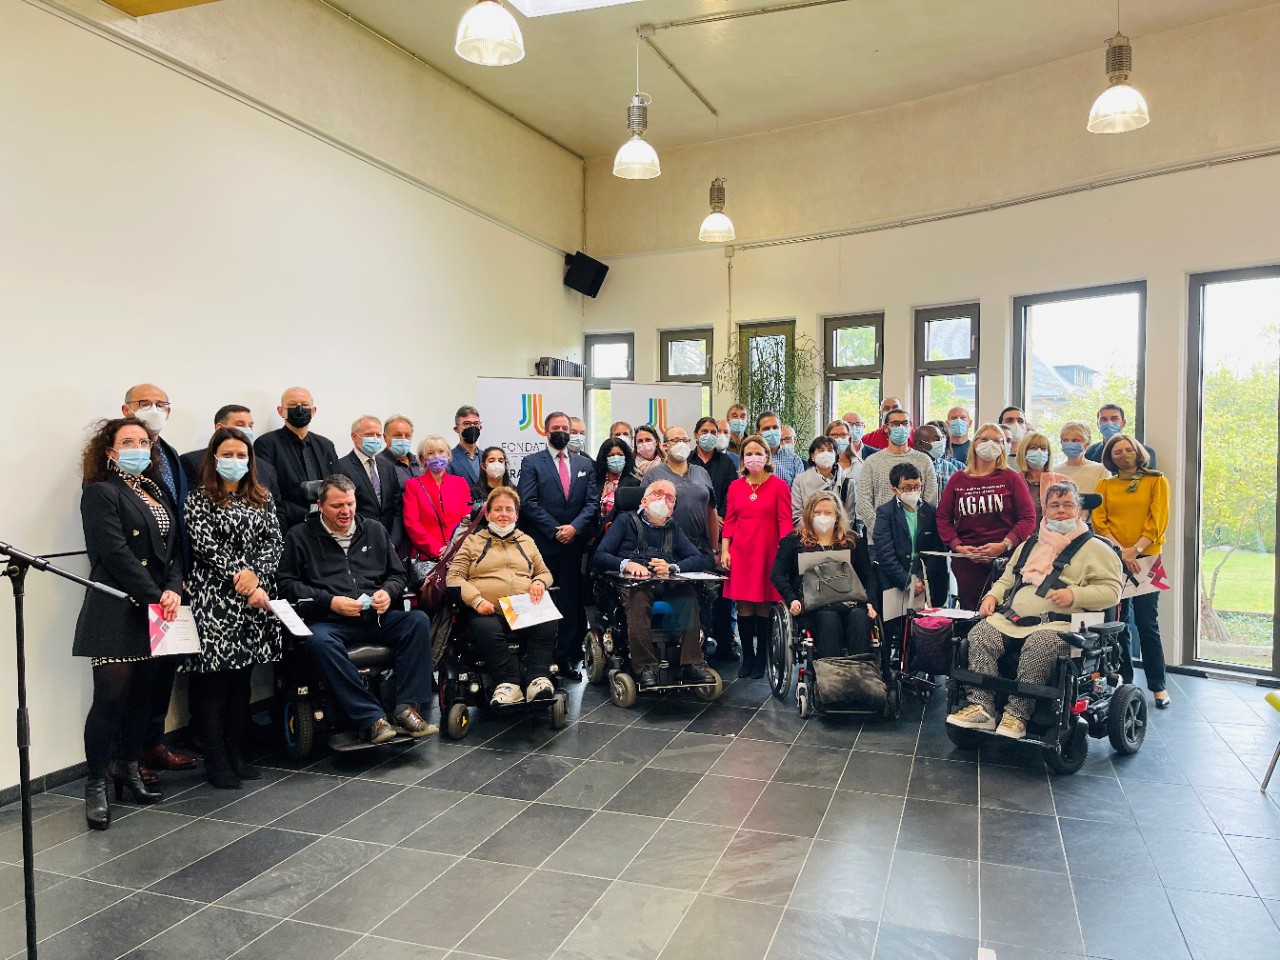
(636, 159)
(1119, 108)
(717, 227)
(489, 36)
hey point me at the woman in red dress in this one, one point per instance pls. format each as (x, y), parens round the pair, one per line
(434, 503)
(757, 517)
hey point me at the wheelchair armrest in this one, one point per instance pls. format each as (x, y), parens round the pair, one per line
(1108, 629)
(1087, 642)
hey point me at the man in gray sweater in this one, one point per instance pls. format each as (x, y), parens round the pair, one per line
(874, 487)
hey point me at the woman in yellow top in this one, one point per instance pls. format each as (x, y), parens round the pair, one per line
(1134, 516)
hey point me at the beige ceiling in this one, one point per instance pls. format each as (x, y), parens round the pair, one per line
(772, 71)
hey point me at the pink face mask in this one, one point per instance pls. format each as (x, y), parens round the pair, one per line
(646, 449)
(754, 462)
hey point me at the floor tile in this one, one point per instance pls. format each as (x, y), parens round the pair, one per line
(1155, 762)
(1012, 788)
(907, 943)
(528, 734)
(1246, 813)
(280, 798)
(95, 847)
(671, 714)
(679, 855)
(723, 721)
(691, 752)
(1097, 851)
(750, 759)
(717, 929)
(953, 781)
(761, 867)
(943, 829)
(56, 909)
(949, 887)
(211, 934)
(634, 745)
(776, 723)
(465, 825)
(217, 874)
(1220, 927)
(842, 879)
(580, 740)
(530, 777)
(377, 890)
(887, 773)
(802, 935)
(590, 785)
(1022, 840)
(1261, 861)
(533, 922)
(834, 732)
(532, 835)
(630, 922)
(864, 819)
(438, 917)
(399, 816)
(295, 882)
(1007, 894)
(419, 761)
(604, 845)
(899, 737)
(1196, 861)
(168, 854)
(653, 793)
(789, 808)
(377, 948)
(723, 801)
(327, 813)
(1166, 805)
(1091, 798)
(12, 889)
(813, 766)
(1149, 928)
(118, 929)
(470, 771)
(299, 941)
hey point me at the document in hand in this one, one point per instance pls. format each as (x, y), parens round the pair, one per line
(521, 611)
(172, 637)
(289, 617)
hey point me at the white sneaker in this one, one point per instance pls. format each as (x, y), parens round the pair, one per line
(506, 695)
(972, 717)
(1011, 727)
(540, 688)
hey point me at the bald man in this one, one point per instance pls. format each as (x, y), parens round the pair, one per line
(297, 454)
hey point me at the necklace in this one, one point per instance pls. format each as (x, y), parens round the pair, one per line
(755, 489)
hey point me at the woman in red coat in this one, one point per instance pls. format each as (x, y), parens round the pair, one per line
(757, 517)
(434, 503)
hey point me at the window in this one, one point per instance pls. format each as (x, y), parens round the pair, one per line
(946, 361)
(853, 356)
(766, 354)
(1233, 389)
(1077, 350)
(610, 356)
(687, 358)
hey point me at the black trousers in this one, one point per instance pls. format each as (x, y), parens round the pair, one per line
(492, 638)
(116, 725)
(566, 569)
(839, 629)
(165, 669)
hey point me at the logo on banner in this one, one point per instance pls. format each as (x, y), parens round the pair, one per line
(531, 413)
(658, 414)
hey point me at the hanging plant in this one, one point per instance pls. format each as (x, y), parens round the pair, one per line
(764, 370)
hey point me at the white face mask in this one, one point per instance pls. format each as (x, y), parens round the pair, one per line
(824, 522)
(624, 437)
(678, 451)
(910, 499)
(154, 418)
(826, 459)
(501, 531)
(722, 442)
(1017, 431)
(495, 469)
(658, 510)
(989, 450)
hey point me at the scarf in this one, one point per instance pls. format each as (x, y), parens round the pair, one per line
(1048, 545)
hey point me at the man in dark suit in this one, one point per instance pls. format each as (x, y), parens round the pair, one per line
(559, 501)
(379, 496)
(240, 417)
(296, 454)
(400, 456)
(151, 405)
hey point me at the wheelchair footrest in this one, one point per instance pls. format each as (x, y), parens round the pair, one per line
(1004, 685)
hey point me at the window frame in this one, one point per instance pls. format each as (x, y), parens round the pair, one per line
(832, 373)
(590, 381)
(936, 368)
(1021, 308)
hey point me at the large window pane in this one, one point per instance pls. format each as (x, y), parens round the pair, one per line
(1078, 355)
(853, 364)
(947, 346)
(1240, 390)
(940, 392)
(947, 338)
(854, 346)
(767, 358)
(687, 358)
(854, 396)
(599, 418)
(609, 361)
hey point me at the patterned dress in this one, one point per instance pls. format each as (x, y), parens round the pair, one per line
(225, 540)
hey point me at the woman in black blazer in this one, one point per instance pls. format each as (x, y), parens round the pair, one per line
(134, 546)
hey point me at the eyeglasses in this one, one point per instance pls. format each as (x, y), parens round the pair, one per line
(471, 423)
(669, 497)
(130, 444)
(148, 404)
(297, 405)
(898, 423)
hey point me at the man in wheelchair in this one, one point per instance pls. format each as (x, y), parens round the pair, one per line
(1063, 570)
(644, 546)
(343, 575)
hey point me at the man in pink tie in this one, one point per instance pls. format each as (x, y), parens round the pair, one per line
(560, 503)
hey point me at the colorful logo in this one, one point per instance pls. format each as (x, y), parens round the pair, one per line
(531, 413)
(658, 414)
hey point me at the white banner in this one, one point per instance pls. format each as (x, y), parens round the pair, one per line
(661, 404)
(514, 409)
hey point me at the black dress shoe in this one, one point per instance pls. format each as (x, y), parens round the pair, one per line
(648, 678)
(696, 673)
(129, 778)
(97, 809)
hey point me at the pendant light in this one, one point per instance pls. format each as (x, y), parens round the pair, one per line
(636, 159)
(489, 36)
(1119, 108)
(717, 227)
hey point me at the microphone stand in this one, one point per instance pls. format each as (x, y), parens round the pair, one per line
(19, 562)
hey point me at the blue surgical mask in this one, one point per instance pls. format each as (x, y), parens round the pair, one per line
(787, 448)
(738, 427)
(372, 446)
(577, 442)
(856, 430)
(401, 447)
(772, 436)
(707, 442)
(1038, 459)
(937, 449)
(247, 431)
(133, 460)
(232, 468)
(842, 444)
(616, 463)
(1061, 526)
(958, 427)
(1072, 449)
(1109, 429)
(899, 435)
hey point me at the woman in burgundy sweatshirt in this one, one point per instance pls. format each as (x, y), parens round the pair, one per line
(986, 510)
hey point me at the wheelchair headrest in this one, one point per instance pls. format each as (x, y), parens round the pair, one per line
(311, 490)
(627, 499)
(1090, 501)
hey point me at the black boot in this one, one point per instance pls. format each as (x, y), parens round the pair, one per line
(218, 769)
(241, 767)
(237, 720)
(747, 634)
(764, 634)
(129, 778)
(97, 809)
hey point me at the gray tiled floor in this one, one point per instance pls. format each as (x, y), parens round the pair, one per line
(681, 830)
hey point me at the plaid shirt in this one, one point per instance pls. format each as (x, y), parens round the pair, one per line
(944, 468)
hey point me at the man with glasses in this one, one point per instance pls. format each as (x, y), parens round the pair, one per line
(1111, 420)
(878, 438)
(297, 454)
(786, 464)
(464, 462)
(874, 484)
(379, 496)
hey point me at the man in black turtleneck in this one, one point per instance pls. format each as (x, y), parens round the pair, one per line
(297, 454)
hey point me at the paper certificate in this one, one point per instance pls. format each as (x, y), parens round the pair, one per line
(898, 603)
(1151, 576)
(172, 637)
(289, 617)
(522, 612)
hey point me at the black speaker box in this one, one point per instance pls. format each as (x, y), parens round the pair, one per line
(584, 274)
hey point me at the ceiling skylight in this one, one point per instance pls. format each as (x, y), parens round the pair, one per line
(542, 8)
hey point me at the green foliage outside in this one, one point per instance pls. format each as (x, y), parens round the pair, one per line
(779, 375)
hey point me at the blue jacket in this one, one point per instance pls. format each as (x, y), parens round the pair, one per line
(461, 465)
(627, 540)
(892, 547)
(543, 505)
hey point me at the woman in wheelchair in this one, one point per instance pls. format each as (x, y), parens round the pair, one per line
(501, 561)
(842, 628)
(1061, 570)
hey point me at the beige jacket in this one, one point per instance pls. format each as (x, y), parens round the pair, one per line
(502, 573)
(1093, 576)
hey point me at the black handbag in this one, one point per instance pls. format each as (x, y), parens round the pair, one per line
(831, 581)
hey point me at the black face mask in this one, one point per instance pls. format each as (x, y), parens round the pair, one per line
(470, 434)
(298, 416)
(559, 439)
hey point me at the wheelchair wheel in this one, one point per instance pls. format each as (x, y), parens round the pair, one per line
(1127, 719)
(622, 689)
(558, 711)
(298, 725)
(780, 658)
(893, 702)
(802, 701)
(710, 693)
(594, 662)
(1072, 753)
(457, 721)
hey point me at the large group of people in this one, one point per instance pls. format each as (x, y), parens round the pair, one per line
(250, 518)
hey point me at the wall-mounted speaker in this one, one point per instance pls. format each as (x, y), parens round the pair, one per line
(583, 273)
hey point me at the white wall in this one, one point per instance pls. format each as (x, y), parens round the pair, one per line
(157, 230)
(1160, 229)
